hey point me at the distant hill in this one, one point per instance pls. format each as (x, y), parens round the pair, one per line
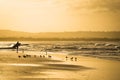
(7, 34)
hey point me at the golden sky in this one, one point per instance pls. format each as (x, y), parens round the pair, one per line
(60, 15)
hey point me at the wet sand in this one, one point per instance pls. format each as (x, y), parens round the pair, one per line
(57, 67)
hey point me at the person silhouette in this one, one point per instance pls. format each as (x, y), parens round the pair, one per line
(16, 46)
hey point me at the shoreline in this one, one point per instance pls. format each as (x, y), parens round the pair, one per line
(11, 66)
(55, 68)
(115, 58)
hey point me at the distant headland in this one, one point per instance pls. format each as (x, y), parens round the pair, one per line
(8, 35)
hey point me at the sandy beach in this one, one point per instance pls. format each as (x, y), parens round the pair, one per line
(59, 39)
(35, 66)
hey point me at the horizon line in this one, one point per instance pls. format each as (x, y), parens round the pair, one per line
(56, 31)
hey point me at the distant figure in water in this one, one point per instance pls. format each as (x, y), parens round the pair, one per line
(75, 58)
(71, 58)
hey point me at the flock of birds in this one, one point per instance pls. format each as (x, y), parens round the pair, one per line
(46, 56)
(29, 56)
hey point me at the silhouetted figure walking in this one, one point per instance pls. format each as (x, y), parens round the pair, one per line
(17, 45)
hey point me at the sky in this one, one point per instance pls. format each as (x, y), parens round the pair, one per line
(60, 15)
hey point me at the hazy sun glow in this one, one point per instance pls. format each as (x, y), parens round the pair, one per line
(59, 15)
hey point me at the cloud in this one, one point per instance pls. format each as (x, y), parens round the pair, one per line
(78, 5)
(95, 5)
(113, 6)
